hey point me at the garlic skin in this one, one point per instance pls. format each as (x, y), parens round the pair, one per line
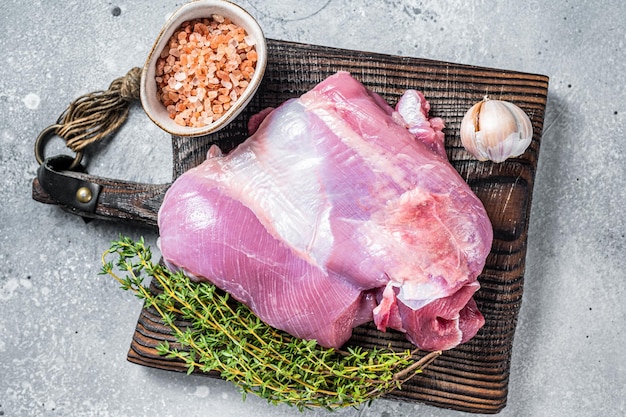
(496, 130)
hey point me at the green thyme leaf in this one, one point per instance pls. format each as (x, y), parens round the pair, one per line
(220, 334)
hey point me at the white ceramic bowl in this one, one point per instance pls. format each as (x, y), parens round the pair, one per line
(153, 107)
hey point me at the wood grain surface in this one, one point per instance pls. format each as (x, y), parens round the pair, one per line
(472, 377)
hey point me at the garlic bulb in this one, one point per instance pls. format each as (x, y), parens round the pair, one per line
(496, 130)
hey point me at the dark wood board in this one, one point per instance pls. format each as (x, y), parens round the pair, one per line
(472, 377)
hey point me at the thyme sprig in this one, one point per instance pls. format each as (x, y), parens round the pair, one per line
(225, 336)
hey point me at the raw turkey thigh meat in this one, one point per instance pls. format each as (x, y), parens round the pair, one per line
(336, 211)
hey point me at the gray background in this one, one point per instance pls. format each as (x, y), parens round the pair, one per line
(65, 331)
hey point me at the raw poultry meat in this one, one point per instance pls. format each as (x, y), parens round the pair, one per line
(336, 211)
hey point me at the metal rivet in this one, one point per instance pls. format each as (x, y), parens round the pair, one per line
(83, 194)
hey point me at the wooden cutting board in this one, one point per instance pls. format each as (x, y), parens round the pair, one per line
(473, 377)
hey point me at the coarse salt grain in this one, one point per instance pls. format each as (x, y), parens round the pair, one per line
(204, 69)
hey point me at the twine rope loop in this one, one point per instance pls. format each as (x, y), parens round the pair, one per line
(94, 116)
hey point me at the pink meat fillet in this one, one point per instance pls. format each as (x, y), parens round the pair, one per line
(336, 211)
